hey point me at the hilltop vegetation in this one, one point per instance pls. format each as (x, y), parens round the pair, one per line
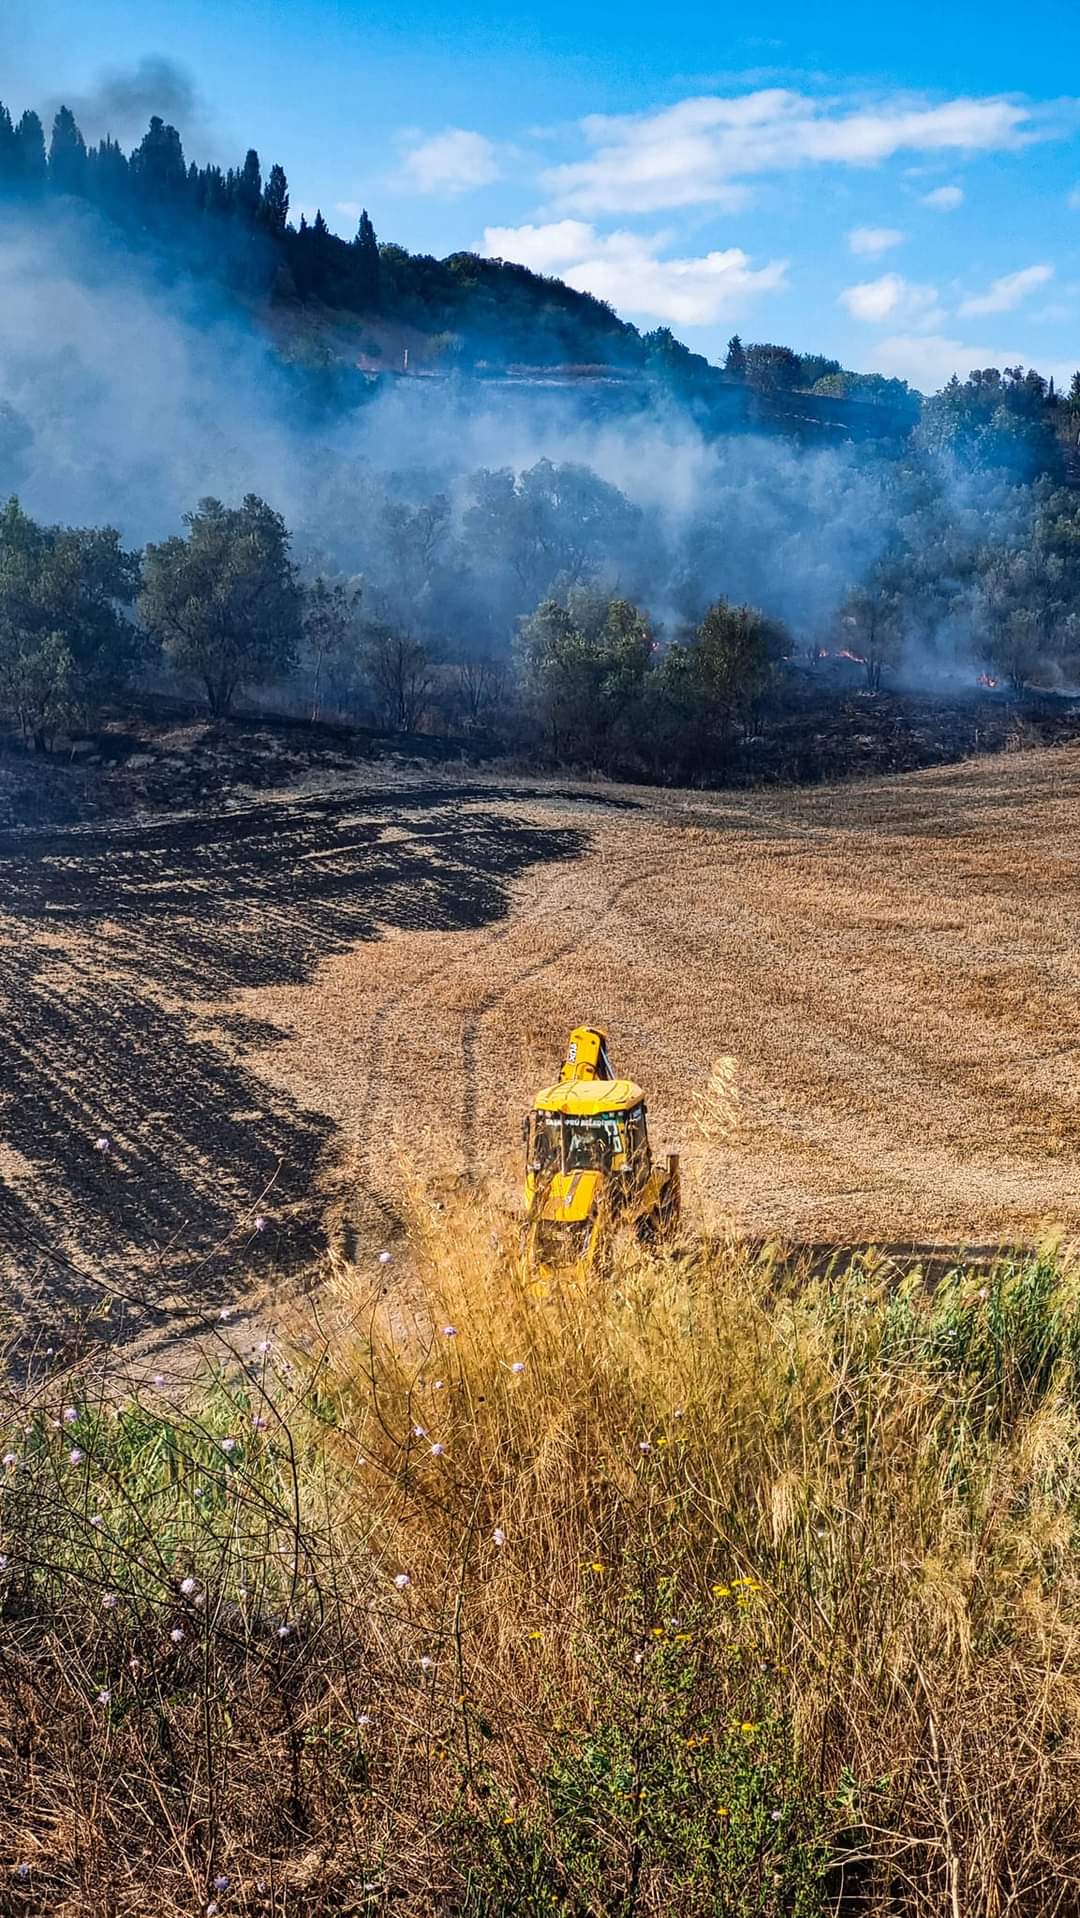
(232, 225)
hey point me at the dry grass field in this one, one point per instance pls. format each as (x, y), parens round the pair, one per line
(279, 1008)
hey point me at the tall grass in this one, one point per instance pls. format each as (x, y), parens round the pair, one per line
(714, 1585)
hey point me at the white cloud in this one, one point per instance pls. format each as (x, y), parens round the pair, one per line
(1007, 293)
(703, 150)
(892, 298)
(873, 239)
(928, 360)
(944, 199)
(452, 162)
(627, 270)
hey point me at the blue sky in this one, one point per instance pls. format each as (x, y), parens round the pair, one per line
(899, 187)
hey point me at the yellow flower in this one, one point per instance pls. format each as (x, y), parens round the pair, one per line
(598, 1566)
(682, 1638)
(721, 1591)
(536, 1634)
(658, 1631)
(747, 1727)
(722, 1811)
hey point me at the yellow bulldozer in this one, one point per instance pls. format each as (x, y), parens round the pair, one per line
(588, 1164)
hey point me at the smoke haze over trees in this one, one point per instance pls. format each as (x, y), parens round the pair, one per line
(451, 550)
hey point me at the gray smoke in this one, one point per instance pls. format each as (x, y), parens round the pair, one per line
(125, 98)
(133, 398)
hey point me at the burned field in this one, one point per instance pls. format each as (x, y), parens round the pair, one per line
(138, 1150)
(278, 1011)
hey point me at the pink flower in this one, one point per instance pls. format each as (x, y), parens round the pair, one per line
(449, 1331)
(518, 1366)
(402, 1581)
(75, 1457)
(437, 1451)
(499, 1536)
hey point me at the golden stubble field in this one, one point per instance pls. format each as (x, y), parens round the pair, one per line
(228, 1030)
(893, 967)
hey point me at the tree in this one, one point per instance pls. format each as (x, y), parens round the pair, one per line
(30, 162)
(67, 155)
(249, 186)
(1073, 399)
(551, 522)
(400, 673)
(773, 369)
(275, 200)
(329, 621)
(224, 602)
(871, 622)
(65, 643)
(706, 685)
(158, 171)
(735, 364)
(365, 276)
(584, 659)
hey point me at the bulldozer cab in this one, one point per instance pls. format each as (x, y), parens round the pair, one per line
(587, 1149)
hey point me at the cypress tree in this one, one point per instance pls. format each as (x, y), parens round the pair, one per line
(67, 155)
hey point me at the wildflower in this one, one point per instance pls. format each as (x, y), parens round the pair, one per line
(10, 1459)
(775, 1816)
(419, 1431)
(437, 1451)
(263, 1345)
(385, 1258)
(177, 1634)
(3, 1561)
(283, 1630)
(75, 1457)
(499, 1536)
(722, 1811)
(259, 1222)
(110, 1601)
(101, 1144)
(221, 1882)
(449, 1331)
(258, 1424)
(536, 1634)
(598, 1566)
(158, 1380)
(104, 1695)
(22, 1870)
(721, 1591)
(212, 1908)
(70, 1415)
(228, 1445)
(97, 1520)
(189, 1586)
(402, 1581)
(437, 1385)
(364, 1721)
(644, 1446)
(746, 1726)
(426, 1663)
(518, 1366)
